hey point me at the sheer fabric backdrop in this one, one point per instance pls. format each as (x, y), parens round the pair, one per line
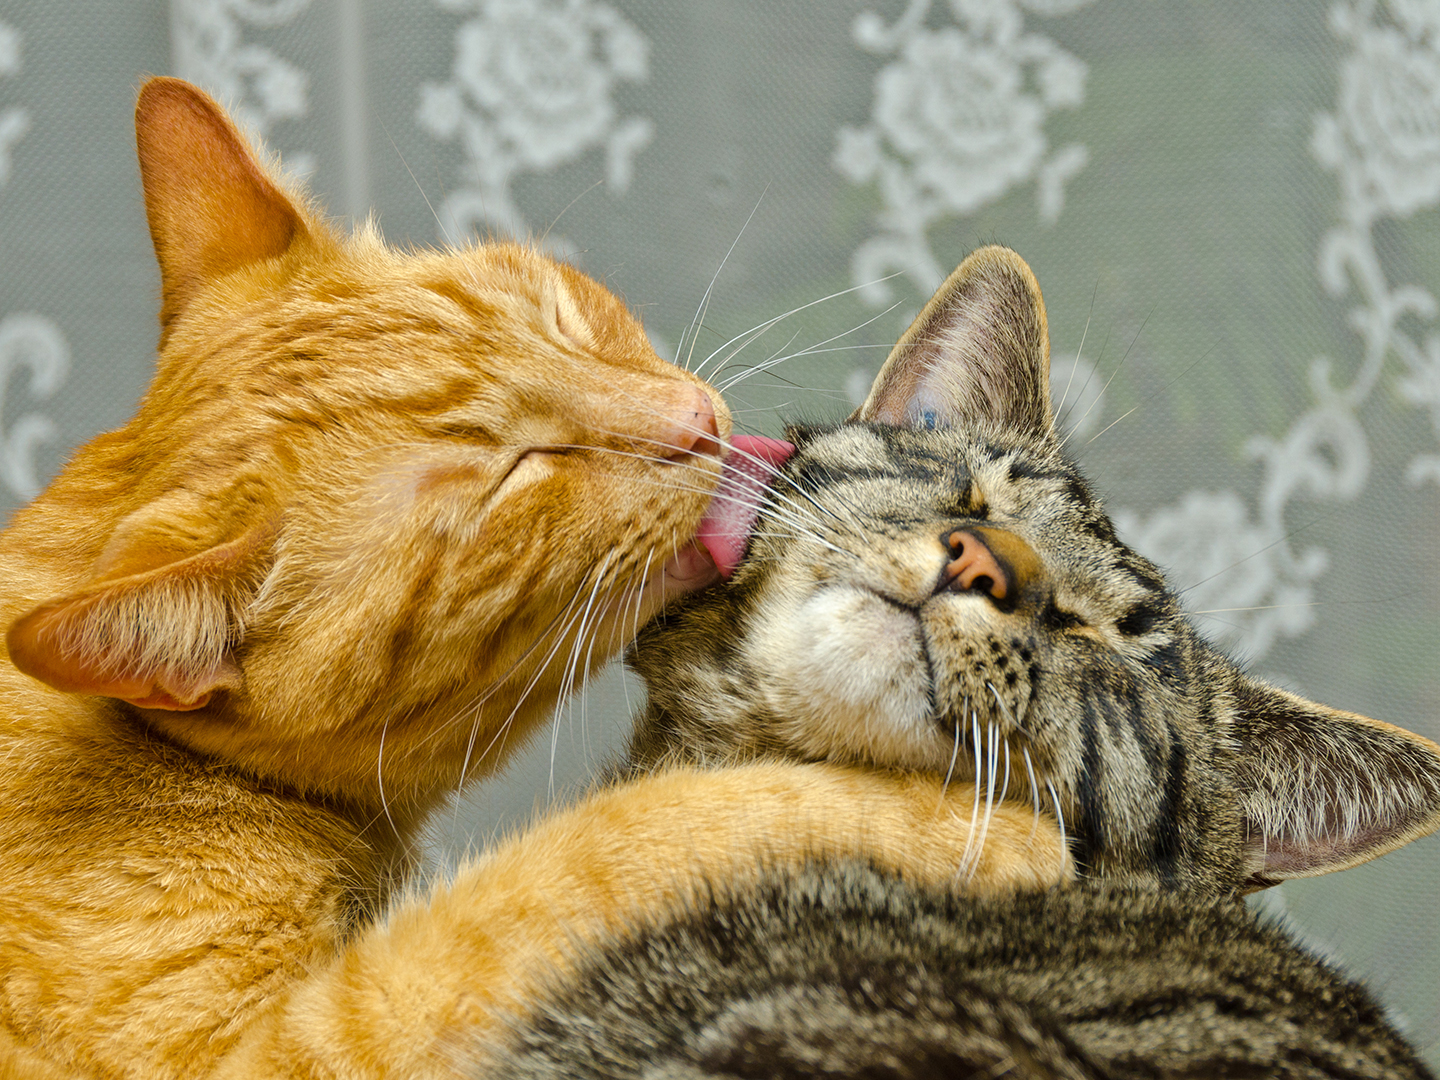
(1232, 205)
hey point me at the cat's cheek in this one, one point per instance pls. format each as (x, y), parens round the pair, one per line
(856, 681)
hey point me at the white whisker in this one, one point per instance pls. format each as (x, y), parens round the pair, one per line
(1059, 814)
(950, 772)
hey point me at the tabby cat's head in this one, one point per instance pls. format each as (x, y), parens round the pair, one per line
(372, 499)
(932, 585)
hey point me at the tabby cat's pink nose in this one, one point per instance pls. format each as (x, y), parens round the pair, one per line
(974, 567)
(695, 430)
(995, 562)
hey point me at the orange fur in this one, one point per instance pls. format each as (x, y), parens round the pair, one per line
(336, 566)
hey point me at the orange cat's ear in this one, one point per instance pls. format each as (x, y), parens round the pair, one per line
(1323, 789)
(159, 639)
(977, 354)
(211, 205)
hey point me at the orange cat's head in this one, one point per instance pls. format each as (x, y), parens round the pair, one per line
(371, 498)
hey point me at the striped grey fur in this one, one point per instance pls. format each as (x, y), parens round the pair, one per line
(848, 634)
(841, 971)
(838, 639)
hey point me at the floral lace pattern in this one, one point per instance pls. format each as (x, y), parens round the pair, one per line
(1383, 144)
(958, 120)
(34, 344)
(533, 88)
(27, 341)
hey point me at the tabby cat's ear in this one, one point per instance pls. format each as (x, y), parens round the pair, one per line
(159, 638)
(211, 205)
(978, 354)
(1323, 789)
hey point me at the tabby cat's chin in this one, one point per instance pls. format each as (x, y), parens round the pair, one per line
(856, 680)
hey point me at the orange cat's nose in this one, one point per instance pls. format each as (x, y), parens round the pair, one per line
(694, 428)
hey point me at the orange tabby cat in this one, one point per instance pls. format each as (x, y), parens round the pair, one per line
(337, 565)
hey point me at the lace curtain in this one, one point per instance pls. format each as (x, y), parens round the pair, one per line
(1231, 207)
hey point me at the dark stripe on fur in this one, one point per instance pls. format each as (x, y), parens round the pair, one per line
(1141, 619)
(1091, 832)
(1168, 841)
(843, 972)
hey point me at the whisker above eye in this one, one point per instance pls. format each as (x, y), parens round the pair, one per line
(756, 331)
(776, 359)
(950, 772)
(704, 306)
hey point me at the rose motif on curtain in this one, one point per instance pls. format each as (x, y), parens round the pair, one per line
(533, 88)
(1225, 569)
(1389, 115)
(959, 113)
(958, 119)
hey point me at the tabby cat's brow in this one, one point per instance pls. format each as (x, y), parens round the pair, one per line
(769, 496)
(779, 474)
(768, 492)
(776, 500)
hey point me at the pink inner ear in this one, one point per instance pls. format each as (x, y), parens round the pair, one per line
(749, 467)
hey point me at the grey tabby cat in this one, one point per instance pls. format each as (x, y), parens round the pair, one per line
(933, 586)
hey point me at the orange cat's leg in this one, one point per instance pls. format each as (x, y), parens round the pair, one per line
(418, 994)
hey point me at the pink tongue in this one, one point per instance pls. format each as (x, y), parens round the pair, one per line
(749, 467)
